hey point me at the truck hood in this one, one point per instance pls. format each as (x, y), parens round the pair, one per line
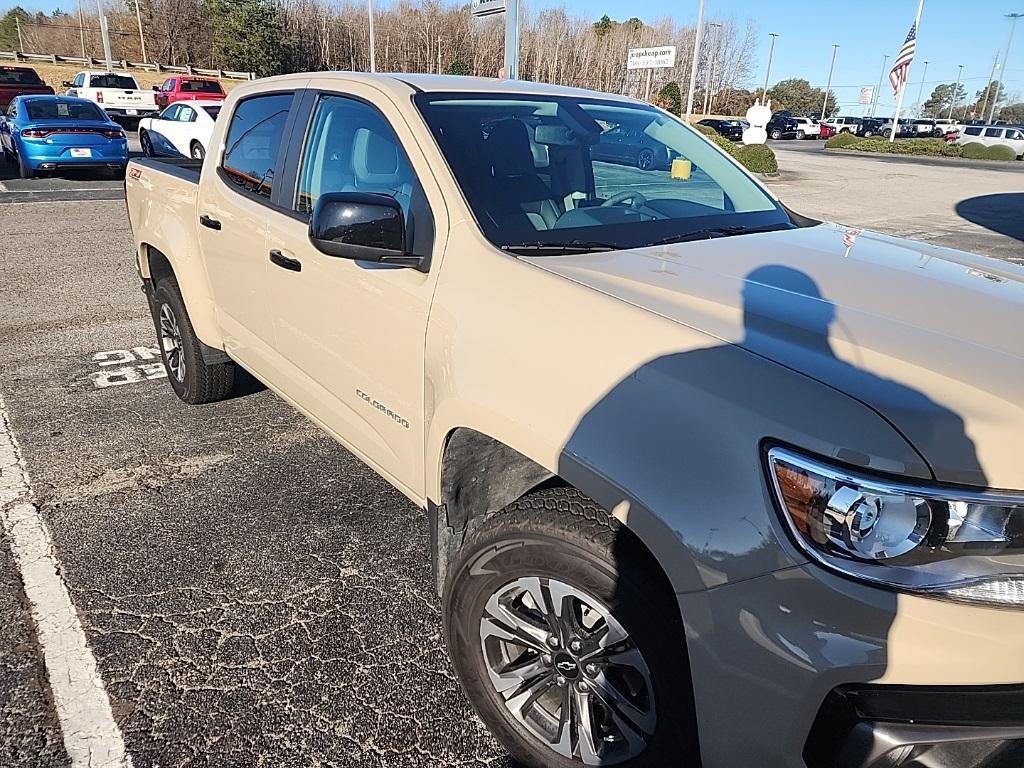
(930, 338)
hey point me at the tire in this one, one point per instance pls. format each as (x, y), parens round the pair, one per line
(196, 151)
(868, 134)
(559, 542)
(24, 171)
(801, 135)
(645, 160)
(192, 380)
(147, 144)
(844, 130)
(776, 134)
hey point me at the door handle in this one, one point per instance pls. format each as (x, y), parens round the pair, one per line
(211, 223)
(285, 262)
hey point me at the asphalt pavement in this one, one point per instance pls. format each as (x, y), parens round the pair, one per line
(251, 593)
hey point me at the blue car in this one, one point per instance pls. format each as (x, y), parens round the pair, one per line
(58, 133)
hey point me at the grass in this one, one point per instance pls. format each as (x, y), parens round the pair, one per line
(55, 74)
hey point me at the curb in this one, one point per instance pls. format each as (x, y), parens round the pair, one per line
(964, 161)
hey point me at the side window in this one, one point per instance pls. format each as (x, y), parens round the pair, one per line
(351, 148)
(993, 133)
(254, 141)
(171, 113)
(1014, 135)
(79, 80)
(973, 131)
(186, 115)
(168, 85)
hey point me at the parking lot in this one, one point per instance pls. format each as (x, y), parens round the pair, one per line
(247, 587)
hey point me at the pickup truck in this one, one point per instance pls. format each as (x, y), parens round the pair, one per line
(116, 94)
(707, 482)
(20, 81)
(187, 89)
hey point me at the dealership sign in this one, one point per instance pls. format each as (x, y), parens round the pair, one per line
(651, 58)
(867, 95)
(487, 7)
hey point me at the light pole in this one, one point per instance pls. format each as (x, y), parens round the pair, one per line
(878, 90)
(832, 66)
(142, 39)
(920, 88)
(1006, 54)
(956, 92)
(768, 72)
(988, 85)
(711, 64)
(696, 59)
(373, 37)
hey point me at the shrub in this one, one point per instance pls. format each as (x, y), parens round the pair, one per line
(1000, 152)
(757, 158)
(724, 144)
(841, 140)
(973, 150)
(707, 130)
(933, 147)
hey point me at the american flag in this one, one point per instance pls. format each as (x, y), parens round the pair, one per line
(900, 71)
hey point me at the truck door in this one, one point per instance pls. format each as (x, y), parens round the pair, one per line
(235, 199)
(351, 334)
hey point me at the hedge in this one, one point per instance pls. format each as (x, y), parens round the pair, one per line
(841, 140)
(1000, 152)
(974, 150)
(757, 158)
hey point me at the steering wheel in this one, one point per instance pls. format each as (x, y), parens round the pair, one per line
(639, 201)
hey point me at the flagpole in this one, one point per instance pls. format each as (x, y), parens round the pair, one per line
(903, 90)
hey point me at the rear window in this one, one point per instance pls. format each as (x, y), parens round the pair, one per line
(212, 111)
(125, 82)
(62, 110)
(201, 86)
(254, 142)
(12, 76)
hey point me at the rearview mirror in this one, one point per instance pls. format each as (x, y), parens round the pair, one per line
(362, 227)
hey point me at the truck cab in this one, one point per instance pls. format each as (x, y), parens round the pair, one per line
(20, 81)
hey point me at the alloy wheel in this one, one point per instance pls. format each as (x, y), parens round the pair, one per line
(170, 341)
(568, 671)
(645, 161)
(147, 145)
(197, 151)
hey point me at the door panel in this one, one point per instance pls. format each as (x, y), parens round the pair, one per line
(235, 202)
(351, 334)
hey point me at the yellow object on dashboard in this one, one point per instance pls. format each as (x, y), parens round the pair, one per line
(681, 169)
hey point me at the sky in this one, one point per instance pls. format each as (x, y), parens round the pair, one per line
(953, 32)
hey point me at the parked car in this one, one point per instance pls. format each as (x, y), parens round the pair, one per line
(993, 135)
(115, 93)
(730, 129)
(188, 89)
(699, 489)
(844, 124)
(183, 128)
(826, 131)
(905, 130)
(782, 127)
(807, 128)
(20, 81)
(630, 145)
(871, 126)
(54, 133)
(925, 127)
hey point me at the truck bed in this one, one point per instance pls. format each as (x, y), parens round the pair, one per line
(184, 168)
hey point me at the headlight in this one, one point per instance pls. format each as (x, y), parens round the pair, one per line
(958, 544)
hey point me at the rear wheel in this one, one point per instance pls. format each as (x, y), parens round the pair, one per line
(193, 380)
(801, 135)
(645, 160)
(147, 144)
(567, 640)
(776, 134)
(24, 171)
(197, 151)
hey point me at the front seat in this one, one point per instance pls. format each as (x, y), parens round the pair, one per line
(517, 188)
(378, 166)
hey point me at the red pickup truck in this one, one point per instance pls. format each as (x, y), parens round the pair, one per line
(188, 89)
(20, 81)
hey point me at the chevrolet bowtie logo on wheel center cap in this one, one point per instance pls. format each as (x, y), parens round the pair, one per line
(567, 666)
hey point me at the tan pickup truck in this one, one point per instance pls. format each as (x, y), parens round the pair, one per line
(708, 482)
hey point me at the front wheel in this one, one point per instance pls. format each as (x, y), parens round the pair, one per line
(192, 379)
(197, 151)
(801, 135)
(645, 160)
(776, 134)
(147, 144)
(568, 641)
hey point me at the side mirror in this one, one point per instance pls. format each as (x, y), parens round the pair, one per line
(362, 227)
(67, 84)
(156, 87)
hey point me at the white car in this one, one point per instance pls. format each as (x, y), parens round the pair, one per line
(183, 128)
(116, 93)
(810, 129)
(991, 135)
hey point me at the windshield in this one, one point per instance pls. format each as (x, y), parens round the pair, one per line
(201, 86)
(10, 76)
(126, 82)
(41, 109)
(556, 170)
